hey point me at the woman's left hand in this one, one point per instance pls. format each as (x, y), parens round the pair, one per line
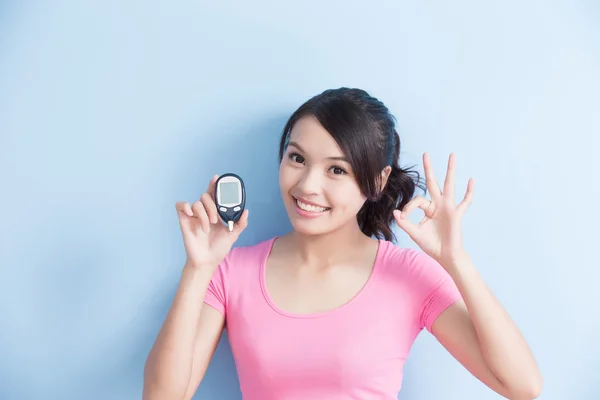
(439, 232)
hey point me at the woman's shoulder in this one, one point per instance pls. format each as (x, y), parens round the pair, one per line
(249, 254)
(393, 252)
(398, 260)
(260, 247)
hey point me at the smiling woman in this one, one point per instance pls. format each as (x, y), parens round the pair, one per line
(359, 133)
(331, 309)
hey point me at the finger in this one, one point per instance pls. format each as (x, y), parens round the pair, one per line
(211, 186)
(184, 207)
(468, 199)
(432, 184)
(417, 202)
(242, 222)
(200, 213)
(210, 207)
(405, 224)
(449, 182)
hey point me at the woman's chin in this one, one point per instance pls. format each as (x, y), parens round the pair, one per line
(308, 230)
(312, 226)
(308, 226)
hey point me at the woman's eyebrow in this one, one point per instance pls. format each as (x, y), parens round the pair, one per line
(338, 158)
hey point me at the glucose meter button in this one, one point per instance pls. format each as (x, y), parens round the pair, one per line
(223, 209)
(237, 208)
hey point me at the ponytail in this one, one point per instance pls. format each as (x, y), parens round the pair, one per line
(376, 216)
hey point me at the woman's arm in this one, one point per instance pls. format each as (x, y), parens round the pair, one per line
(477, 330)
(480, 334)
(210, 328)
(186, 341)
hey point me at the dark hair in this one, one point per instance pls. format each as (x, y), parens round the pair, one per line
(366, 132)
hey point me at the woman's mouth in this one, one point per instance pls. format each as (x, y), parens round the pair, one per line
(309, 210)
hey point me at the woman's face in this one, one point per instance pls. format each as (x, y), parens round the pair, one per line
(317, 184)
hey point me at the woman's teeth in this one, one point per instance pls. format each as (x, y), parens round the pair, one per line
(310, 208)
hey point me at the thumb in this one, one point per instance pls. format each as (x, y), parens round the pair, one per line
(242, 223)
(405, 224)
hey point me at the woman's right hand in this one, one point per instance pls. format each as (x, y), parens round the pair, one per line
(206, 238)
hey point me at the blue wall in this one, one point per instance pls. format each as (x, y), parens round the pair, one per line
(112, 111)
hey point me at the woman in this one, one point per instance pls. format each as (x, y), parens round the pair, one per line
(331, 309)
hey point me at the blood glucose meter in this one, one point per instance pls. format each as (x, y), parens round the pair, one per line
(230, 198)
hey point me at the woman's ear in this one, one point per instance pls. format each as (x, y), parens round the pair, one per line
(385, 174)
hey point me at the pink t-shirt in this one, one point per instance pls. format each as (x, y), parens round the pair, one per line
(356, 351)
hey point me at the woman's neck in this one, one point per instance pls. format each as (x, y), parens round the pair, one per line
(321, 251)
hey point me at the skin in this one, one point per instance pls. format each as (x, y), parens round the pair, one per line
(310, 262)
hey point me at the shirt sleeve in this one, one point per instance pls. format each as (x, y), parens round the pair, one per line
(437, 291)
(216, 293)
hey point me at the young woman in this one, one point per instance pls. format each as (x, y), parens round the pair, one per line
(331, 309)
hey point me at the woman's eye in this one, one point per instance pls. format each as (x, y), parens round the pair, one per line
(297, 158)
(338, 170)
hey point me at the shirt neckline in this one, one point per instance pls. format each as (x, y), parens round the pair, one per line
(354, 299)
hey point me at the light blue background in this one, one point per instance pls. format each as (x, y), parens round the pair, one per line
(111, 111)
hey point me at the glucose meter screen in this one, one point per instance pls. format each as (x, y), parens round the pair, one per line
(229, 193)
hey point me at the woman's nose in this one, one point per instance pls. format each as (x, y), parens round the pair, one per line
(310, 182)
